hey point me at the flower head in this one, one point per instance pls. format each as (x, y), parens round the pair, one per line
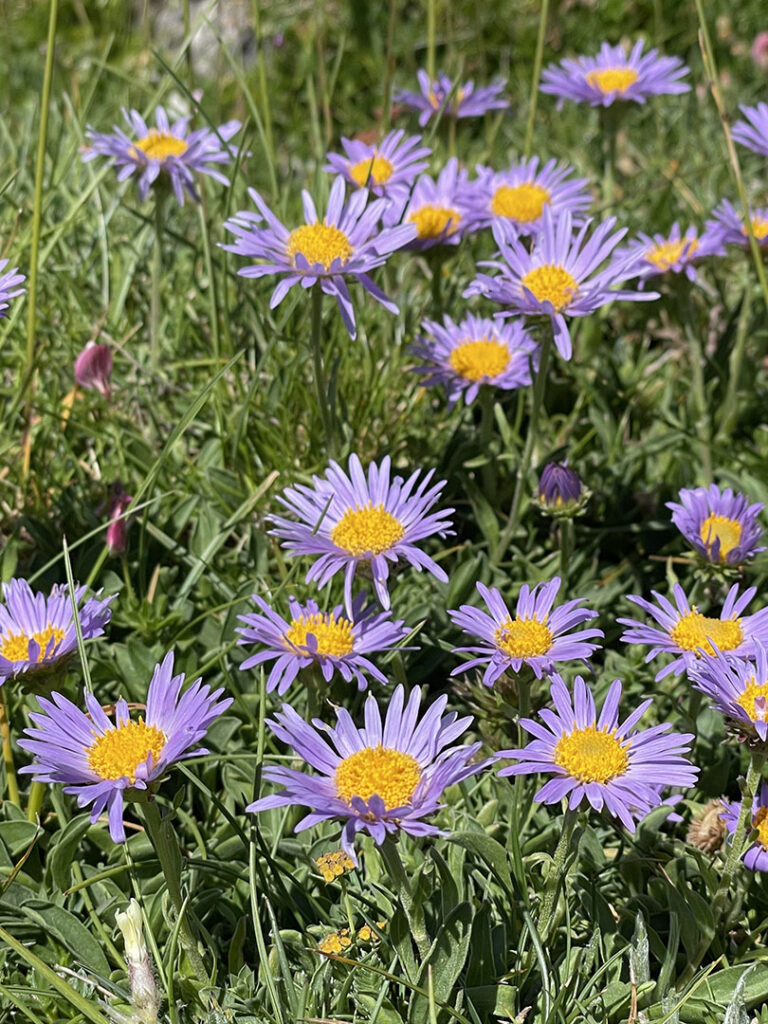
(536, 636)
(328, 639)
(722, 526)
(691, 636)
(756, 856)
(170, 149)
(728, 227)
(381, 777)
(518, 196)
(674, 253)
(442, 95)
(560, 489)
(738, 689)
(8, 286)
(351, 520)
(438, 210)
(610, 764)
(753, 132)
(37, 632)
(102, 761)
(387, 169)
(612, 75)
(93, 368)
(462, 357)
(559, 276)
(345, 243)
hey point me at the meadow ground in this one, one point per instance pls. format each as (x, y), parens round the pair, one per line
(217, 403)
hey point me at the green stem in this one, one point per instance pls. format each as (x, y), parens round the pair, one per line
(566, 549)
(555, 875)
(36, 793)
(537, 60)
(8, 763)
(728, 409)
(701, 417)
(389, 66)
(431, 34)
(157, 276)
(316, 340)
(486, 435)
(608, 129)
(413, 911)
(524, 465)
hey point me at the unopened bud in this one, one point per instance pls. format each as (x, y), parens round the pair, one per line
(118, 524)
(144, 996)
(561, 493)
(93, 368)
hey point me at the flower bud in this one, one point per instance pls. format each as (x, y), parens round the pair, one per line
(760, 51)
(93, 368)
(560, 491)
(144, 996)
(118, 524)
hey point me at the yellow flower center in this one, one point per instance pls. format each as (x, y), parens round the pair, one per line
(759, 228)
(160, 145)
(524, 638)
(381, 771)
(437, 101)
(333, 865)
(760, 822)
(748, 700)
(433, 221)
(367, 531)
(374, 170)
(611, 79)
(319, 243)
(333, 636)
(523, 203)
(591, 755)
(727, 531)
(695, 631)
(15, 646)
(335, 942)
(120, 751)
(667, 254)
(476, 360)
(551, 283)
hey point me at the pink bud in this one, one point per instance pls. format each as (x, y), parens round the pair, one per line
(93, 368)
(118, 527)
(760, 51)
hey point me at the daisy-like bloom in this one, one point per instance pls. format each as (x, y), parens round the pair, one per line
(102, 761)
(379, 778)
(536, 636)
(345, 243)
(351, 521)
(8, 286)
(518, 196)
(691, 636)
(675, 253)
(37, 632)
(738, 689)
(722, 526)
(330, 640)
(559, 276)
(462, 357)
(439, 210)
(167, 148)
(612, 75)
(387, 169)
(728, 226)
(756, 856)
(753, 132)
(610, 764)
(450, 98)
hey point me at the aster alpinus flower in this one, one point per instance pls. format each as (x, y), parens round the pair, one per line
(8, 286)
(753, 132)
(755, 857)
(722, 526)
(104, 762)
(438, 209)
(454, 99)
(728, 227)
(738, 689)
(561, 492)
(346, 243)
(387, 169)
(674, 253)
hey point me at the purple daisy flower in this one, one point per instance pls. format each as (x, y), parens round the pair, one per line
(753, 132)
(559, 486)
(387, 169)
(722, 526)
(442, 95)
(462, 357)
(381, 778)
(738, 689)
(352, 521)
(559, 277)
(536, 636)
(37, 632)
(328, 639)
(756, 856)
(674, 253)
(691, 636)
(612, 75)
(8, 282)
(169, 148)
(101, 761)
(439, 210)
(346, 243)
(518, 196)
(610, 764)
(727, 225)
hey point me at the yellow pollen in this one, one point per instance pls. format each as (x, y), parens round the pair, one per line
(319, 243)
(551, 283)
(333, 636)
(381, 771)
(120, 750)
(591, 755)
(374, 170)
(479, 360)
(727, 531)
(332, 865)
(367, 531)
(748, 700)
(667, 254)
(524, 638)
(436, 102)
(695, 631)
(15, 646)
(611, 79)
(434, 221)
(160, 145)
(760, 822)
(759, 228)
(522, 203)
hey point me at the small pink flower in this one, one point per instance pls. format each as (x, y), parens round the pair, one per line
(93, 368)
(118, 523)
(760, 51)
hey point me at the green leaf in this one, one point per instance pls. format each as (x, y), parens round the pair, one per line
(71, 933)
(446, 960)
(488, 850)
(62, 850)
